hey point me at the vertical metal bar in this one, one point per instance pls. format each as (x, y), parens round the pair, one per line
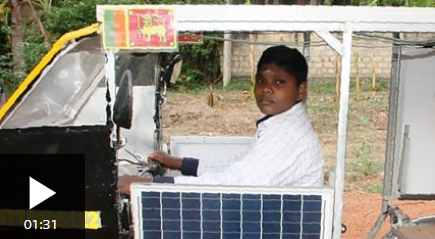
(307, 46)
(227, 59)
(158, 100)
(226, 75)
(342, 131)
(110, 69)
(391, 141)
(392, 121)
(111, 86)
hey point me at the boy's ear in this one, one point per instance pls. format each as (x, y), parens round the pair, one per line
(302, 91)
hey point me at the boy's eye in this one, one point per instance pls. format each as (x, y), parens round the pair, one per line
(279, 81)
(260, 80)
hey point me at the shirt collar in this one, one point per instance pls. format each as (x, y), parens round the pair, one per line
(296, 108)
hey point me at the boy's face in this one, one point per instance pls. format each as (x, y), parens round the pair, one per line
(276, 90)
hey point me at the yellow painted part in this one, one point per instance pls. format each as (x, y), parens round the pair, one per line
(93, 220)
(43, 63)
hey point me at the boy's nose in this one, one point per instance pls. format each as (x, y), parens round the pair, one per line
(267, 89)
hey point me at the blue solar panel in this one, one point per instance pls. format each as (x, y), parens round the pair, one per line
(209, 215)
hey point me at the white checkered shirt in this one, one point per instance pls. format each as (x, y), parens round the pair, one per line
(286, 152)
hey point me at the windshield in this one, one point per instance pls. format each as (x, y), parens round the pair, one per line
(72, 90)
(63, 88)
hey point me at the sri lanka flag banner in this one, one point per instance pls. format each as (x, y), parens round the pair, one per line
(136, 28)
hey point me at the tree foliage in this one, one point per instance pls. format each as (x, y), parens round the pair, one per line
(201, 62)
(61, 16)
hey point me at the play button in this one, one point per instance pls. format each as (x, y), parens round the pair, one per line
(38, 193)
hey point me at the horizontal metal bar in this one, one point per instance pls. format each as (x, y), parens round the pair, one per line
(296, 18)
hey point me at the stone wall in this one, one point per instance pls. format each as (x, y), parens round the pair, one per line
(374, 55)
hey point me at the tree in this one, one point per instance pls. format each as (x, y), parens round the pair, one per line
(45, 5)
(17, 37)
(17, 18)
(4, 13)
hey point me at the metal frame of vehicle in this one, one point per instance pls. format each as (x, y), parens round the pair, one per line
(91, 135)
(323, 20)
(320, 19)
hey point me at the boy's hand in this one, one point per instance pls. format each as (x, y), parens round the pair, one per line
(165, 160)
(125, 181)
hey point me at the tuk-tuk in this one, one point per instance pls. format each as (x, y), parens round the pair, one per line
(99, 93)
(65, 106)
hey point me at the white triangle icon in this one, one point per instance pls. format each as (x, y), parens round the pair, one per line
(38, 193)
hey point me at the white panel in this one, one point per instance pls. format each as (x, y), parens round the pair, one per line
(415, 173)
(298, 18)
(204, 147)
(207, 147)
(140, 137)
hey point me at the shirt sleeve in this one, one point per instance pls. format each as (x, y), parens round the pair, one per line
(270, 161)
(189, 166)
(163, 179)
(218, 164)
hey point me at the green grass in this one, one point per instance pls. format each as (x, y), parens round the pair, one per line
(243, 84)
(364, 163)
(328, 85)
(366, 167)
(322, 86)
(363, 120)
(237, 85)
(373, 188)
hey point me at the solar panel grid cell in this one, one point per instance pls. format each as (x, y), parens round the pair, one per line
(171, 215)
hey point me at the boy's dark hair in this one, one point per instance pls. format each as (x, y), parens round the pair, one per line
(290, 59)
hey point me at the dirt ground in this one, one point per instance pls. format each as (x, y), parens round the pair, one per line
(235, 113)
(362, 209)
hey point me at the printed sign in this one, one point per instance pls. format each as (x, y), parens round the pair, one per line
(139, 28)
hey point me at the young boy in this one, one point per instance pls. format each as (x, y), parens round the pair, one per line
(286, 150)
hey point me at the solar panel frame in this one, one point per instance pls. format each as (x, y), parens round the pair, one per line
(187, 194)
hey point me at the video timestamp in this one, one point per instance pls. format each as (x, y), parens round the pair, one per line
(44, 224)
